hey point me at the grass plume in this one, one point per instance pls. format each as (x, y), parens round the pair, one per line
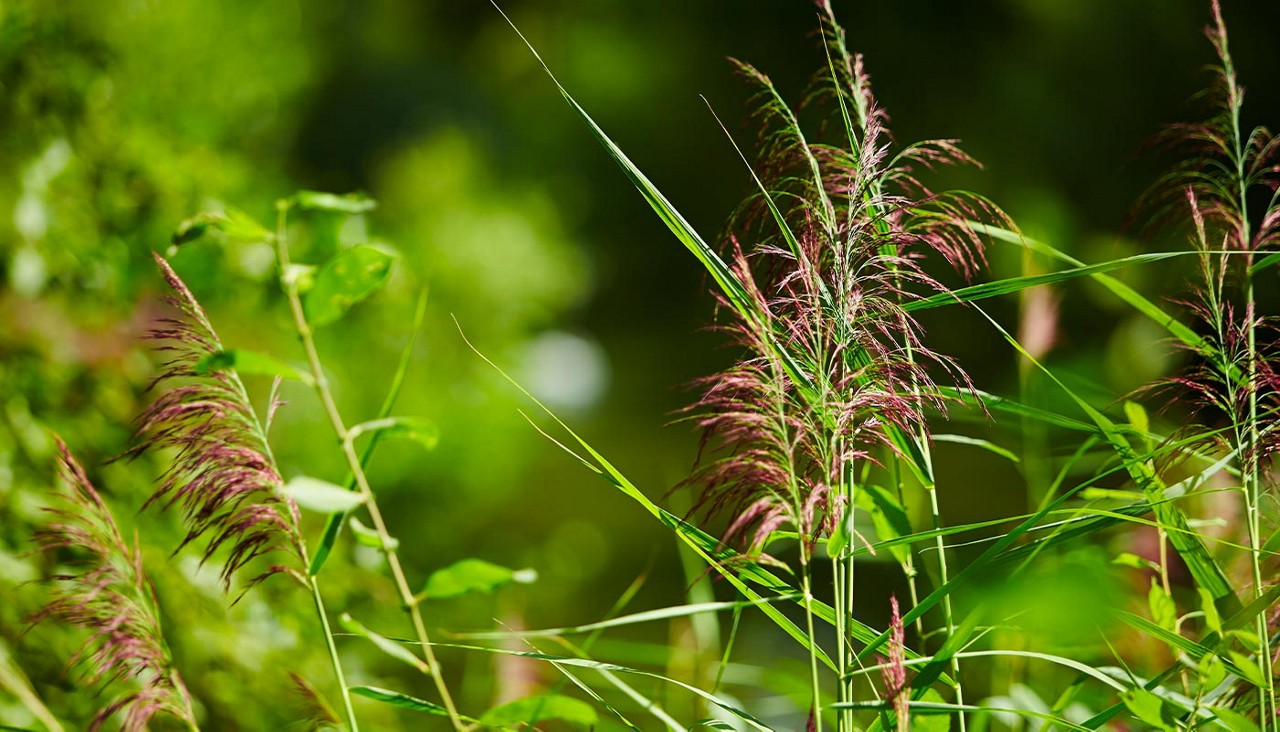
(112, 598)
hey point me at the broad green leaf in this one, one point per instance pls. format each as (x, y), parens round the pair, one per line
(922, 720)
(193, 228)
(1137, 416)
(1211, 617)
(1234, 720)
(1248, 669)
(240, 226)
(232, 223)
(1163, 610)
(345, 280)
(1128, 559)
(422, 431)
(1151, 709)
(1212, 672)
(322, 496)
(471, 575)
(546, 706)
(1247, 638)
(366, 536)
(397, 699)
(248, 362)
(347, 203)
(384, 644)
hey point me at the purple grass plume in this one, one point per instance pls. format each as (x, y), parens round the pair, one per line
(894, 670)
(1227, 188)
(1224, 173)
(833, 366)
(112, 598)
(221, 475)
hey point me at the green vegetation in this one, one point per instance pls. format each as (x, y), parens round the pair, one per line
(296, 484)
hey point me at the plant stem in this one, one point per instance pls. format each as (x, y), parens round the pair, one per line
(813, 641)
(944, 577)
(321, 383)
(333, 654)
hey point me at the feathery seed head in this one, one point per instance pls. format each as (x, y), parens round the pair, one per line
(112, 598)
(221, 476)
(834, 366)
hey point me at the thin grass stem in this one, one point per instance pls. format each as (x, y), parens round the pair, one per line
(321, 384)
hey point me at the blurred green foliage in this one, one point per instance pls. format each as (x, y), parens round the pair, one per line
(119, 119)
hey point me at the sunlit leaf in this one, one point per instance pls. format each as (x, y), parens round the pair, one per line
(249, 362)
(1150, 708)
(347, 203)
(345, 280)
(546, 706)
(1234, 720)
(322, 496)
(384, 644)
(398, 699)
(366, 536)
(1163, 610)
(422, 431)
(471, 575)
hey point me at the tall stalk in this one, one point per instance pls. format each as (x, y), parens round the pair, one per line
(321, 385)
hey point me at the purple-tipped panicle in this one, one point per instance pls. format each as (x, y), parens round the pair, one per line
(833, 365)
(221, 476)
(112, 598)
(894, 670)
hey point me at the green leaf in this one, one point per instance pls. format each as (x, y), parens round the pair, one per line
(1247, 668)
(1265, 262)
(980, 443)
(348, 278)
(322, 496)
(238, 225)
(384, 644)
(1204, 567)
(248, 362)
(347, 203)
(471, 575)
(888, 516)
(192, 229)
(1235, 721)
(1127, 559)
(1150, 708)
(334, 526)
(545, 706)
(1212, 672)
(1211, 617)
(366, 536)
(397, 699)
(233, 223)
(1163, 610)
(1017, 284)
(422, 431)
(924, 721)
(1137, 416)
